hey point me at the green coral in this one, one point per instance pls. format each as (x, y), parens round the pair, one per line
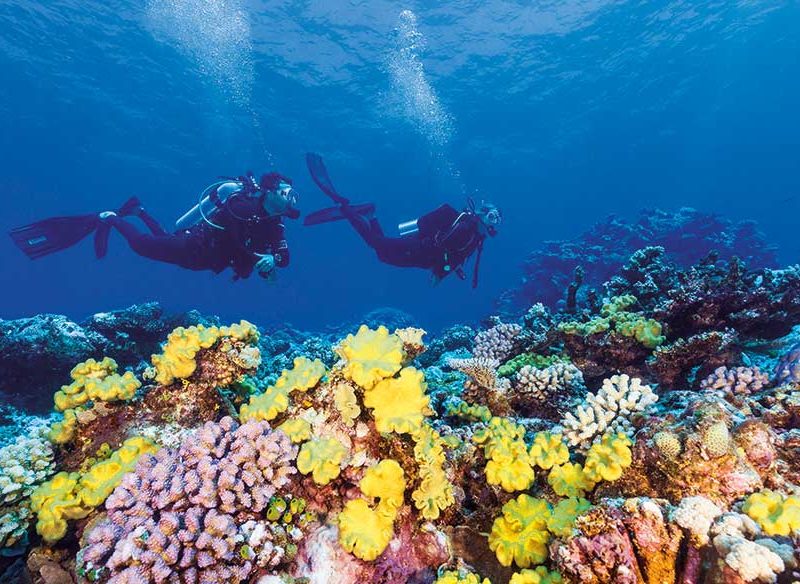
(511, 366)
(615, 315)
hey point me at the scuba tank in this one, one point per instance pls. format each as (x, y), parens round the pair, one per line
(408, 228)
(212, 198)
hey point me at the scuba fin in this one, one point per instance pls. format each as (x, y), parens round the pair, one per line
(51, 235)
(316, 167)
(337, 213)
(132, 206)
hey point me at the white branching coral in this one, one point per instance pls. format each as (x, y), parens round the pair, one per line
(542, 383)
(607, 411)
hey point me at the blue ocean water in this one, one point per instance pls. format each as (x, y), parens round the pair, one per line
(560, 112)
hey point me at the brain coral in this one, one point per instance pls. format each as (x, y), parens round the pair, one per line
(179, 514)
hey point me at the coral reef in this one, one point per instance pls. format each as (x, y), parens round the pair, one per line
(631, 436)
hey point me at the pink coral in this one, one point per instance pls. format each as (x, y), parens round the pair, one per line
(500, 342)
(178, 514)
(736, 381)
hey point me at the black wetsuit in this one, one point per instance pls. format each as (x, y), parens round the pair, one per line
(445, 240)
(248, 231)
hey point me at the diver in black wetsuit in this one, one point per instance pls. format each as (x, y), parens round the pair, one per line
(441, 241)
(237, 223)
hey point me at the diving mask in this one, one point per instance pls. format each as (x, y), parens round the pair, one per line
(282, 200)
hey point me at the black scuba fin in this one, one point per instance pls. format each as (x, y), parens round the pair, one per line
(337, 213)
(316, 167)
(51, 235)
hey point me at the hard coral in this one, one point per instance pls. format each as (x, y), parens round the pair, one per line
(179, 513)
(736, 381)
(609, 410)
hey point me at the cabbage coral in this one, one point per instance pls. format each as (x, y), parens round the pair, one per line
(564, 514)
(569, 480)
(365, 531)
(508, 462)
(399, 404)
(520, 535)
(777, 514)
(322, 458)
(74, 496)
(607, 459)
(434, 493)
(95, 381)
(177, 359)
(548, 450)
(371, 355)
(274, 400)
(540, 575)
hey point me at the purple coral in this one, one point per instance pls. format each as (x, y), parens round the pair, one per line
(177, 516)
(788, 368)
(500, 342)
(736, 381)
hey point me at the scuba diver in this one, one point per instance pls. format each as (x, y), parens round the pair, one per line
(237, 223)
(441, 241)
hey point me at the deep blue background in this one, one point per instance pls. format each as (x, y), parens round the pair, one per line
(561, 112)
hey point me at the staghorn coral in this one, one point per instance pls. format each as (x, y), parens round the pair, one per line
(179, 513)
(736, 381)
(609, 410)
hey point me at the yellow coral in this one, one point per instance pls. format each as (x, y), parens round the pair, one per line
(385, 481)
(775, 513)
(274, 400)
(97, 381)
(297, 429)
(371, 355)
(569, 480)
(434, 493)
(363, 531)
(265, 407)
(64, 431)
(322, 458)
(540, 575)
(177, 359)
(460, 577)
(466, 410)
(303, 375)
(564, 514)
(55, 502)
(508, 462)
(72, 496)
(344, 399)
(102, 478)
(520, 535)
(548, 450)
(399, 404)
(607, 459)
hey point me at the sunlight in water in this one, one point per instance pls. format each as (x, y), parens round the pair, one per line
(215, 34)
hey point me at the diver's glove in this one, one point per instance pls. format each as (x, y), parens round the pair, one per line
(266, 267)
